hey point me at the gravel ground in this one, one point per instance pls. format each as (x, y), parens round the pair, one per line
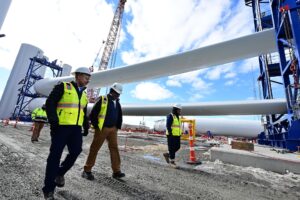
(22, 168)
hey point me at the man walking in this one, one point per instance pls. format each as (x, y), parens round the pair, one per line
(173, 132)
(106, 117)
(39, 118)
(66, 110)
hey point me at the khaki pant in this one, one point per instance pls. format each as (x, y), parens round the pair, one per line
(37, 127)
(110, 134)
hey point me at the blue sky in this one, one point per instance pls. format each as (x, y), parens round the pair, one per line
(73, 30)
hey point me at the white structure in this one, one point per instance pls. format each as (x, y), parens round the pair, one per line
(10, 94)
(66, 70)
(223, 127)
(240, 48)
(4, 6)
(248, 107)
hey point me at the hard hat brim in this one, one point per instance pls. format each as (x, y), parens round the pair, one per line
(117, 91)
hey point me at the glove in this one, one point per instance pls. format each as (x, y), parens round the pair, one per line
(85, 132)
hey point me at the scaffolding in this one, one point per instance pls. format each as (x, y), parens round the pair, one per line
(281, 131)
(26, 91)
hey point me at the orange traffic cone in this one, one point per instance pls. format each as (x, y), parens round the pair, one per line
(193, 159)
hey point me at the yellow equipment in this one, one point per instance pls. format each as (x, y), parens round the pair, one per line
(185, 132)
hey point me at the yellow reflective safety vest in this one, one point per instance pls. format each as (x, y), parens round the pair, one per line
(70, 107)
(102, 113)
(39, 114)
(176, 130)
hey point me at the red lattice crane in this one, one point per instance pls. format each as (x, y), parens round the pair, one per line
(110, 43)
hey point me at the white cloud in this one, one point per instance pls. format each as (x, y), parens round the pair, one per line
(157, 28)
(151, 91)
(216, 72)
(174, 83)
(72, 34)
(191, 78)
(248, 65)
(194, 85)
(161, 28)
(230, 75)
(230, 82)
(195, 97)
(199, 84)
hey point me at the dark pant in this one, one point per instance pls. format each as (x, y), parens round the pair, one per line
(64, 135)
(173, 145)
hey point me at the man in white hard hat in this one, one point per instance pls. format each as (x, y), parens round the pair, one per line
(66, 109)
(173, 132)
(106, 118)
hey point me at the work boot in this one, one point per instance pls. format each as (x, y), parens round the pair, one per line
(87, 175)
(48, 195)
(34, 140)
(166, 155)
(118, 174)
(60, 181)
(173, 164)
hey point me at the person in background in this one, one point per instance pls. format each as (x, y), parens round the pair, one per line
(210, 135)
(39, 118)
(106, 118)
(66, 109)
(173, 132)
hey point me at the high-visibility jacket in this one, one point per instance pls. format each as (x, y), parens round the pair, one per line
(70, 107)
(102, 113)
(39, 114)
(176, 130)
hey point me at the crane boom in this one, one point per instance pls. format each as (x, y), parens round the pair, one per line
(108, 48)
(112, 36)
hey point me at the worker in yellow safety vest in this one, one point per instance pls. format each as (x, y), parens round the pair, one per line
(39, 118)
(173, 132)
(66, 108)
(106, 118)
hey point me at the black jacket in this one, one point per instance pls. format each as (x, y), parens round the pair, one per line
(96, 109)
(53, 99)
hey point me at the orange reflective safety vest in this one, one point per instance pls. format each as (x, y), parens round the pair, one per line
(176, 130)
(70, 107)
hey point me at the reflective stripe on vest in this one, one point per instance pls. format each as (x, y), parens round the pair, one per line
(70, 107)
(102, 113)
(176, 130)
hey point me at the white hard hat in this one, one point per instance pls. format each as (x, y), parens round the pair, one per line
(83, 70)
(117, 87)
(177, 106)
